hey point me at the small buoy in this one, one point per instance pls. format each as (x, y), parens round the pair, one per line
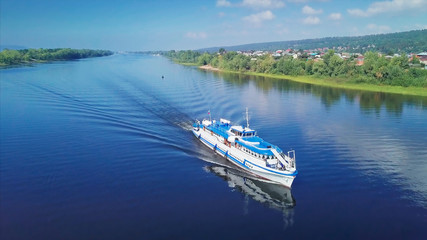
(163, 76)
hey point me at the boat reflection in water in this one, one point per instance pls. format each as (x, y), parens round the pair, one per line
(271, 195)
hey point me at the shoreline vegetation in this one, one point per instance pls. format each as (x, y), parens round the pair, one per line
(377, 74)
(27, 56)
(330, 82)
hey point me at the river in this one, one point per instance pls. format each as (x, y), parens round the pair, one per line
(102, 148)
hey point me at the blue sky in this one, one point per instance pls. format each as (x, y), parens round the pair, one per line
(171, 24)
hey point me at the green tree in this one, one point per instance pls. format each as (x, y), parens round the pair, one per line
(319, 68)
(415, 60)
(10, 57)
(239, 63)
(204, 59)
(215, 61)
(266, 64)
(402, 61)
(309, 67)
(335, 65)
(369, 62)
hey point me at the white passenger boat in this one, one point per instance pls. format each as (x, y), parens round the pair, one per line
(241, 146)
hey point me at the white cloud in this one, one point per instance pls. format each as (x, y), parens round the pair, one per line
(304, 1)
(311, 20)
(221, 14)
(223, 3)
(258, 18)
(263, 3)
(357, 12)
(255, 4)
(196, 35)
(388, 6)
(335, 16)
(378, 28)
(311, 11)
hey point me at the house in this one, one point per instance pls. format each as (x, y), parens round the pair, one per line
(258, 53)
(423, 57)
(345, 55)
(360, 60)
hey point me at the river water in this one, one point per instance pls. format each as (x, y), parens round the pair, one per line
(102, 149)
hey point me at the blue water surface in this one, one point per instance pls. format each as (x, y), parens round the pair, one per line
(102, 149)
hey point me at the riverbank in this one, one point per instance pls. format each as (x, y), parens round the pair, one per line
(334, 82)
(209, 67)
(11, 58)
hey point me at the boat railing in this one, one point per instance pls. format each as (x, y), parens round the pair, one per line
(292, 158)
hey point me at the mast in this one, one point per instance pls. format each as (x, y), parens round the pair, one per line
(247, 118)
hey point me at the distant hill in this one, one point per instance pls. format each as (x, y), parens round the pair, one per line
(409, 42)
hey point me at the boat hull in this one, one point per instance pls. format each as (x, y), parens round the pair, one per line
(243, 161)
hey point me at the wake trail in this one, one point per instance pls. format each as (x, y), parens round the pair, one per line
(158, 107)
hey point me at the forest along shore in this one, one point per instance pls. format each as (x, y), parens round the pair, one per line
(25, 56)
(331, 82)
(376, 73)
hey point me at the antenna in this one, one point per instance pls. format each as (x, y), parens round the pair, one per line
(247, 118)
